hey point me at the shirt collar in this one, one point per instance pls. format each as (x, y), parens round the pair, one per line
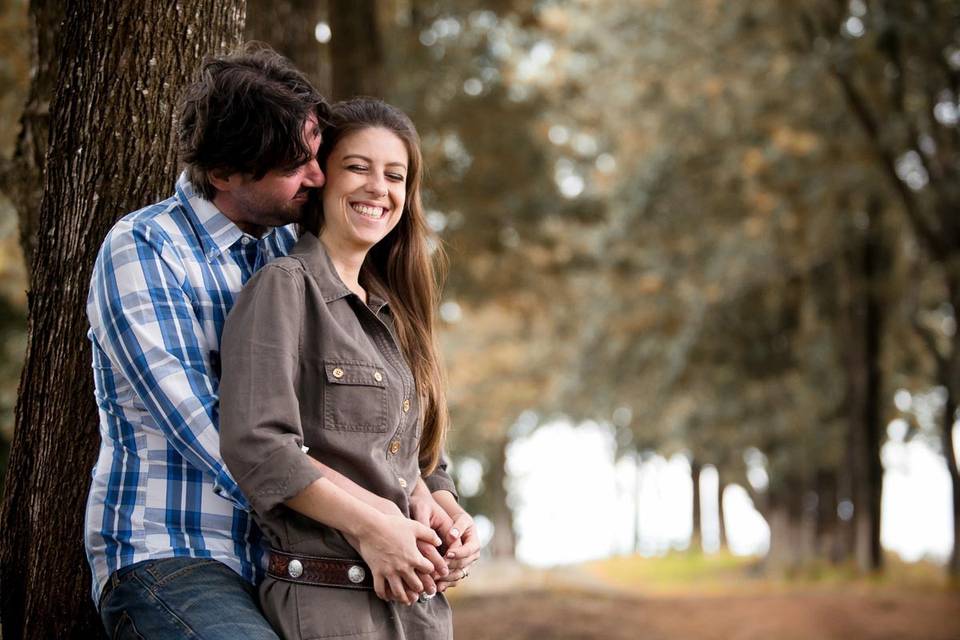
(315, 257)
(216, 231)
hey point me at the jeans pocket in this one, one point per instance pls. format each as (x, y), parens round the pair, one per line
(125, 629)
(167, 569)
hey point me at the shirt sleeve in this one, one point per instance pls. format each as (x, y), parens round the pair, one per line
(260, 411)
(143, 318)
(440, 480)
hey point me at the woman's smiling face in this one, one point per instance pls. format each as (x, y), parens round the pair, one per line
(366, 188)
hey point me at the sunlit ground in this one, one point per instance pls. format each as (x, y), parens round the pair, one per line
(717, 596)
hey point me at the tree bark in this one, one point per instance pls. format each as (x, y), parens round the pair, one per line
(122, 67)
(289, 26)
(23, 182)
(356, 49)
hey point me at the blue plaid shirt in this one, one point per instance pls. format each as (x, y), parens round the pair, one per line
(163, 283)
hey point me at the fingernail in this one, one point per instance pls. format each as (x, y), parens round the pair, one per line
(455, 532)
(451, 554)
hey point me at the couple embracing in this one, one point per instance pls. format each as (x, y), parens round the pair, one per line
(271, 400)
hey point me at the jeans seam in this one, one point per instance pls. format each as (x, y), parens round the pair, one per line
(160, 582)
(163, 605)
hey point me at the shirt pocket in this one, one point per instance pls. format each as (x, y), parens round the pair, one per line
(355, 396)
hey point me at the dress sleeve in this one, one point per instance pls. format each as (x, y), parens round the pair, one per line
(260, 430)
(440, 480)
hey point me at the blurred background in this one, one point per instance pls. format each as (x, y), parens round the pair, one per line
(700, 318)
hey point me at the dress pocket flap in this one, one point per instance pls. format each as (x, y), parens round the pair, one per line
(350, 372)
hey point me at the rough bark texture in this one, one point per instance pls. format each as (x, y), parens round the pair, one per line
(24, 181)
(289, 26)
(356, 49)
(122, 67)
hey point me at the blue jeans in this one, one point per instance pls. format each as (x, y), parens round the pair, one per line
(182, 598)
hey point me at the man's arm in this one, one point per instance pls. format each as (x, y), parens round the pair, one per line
(144, 320)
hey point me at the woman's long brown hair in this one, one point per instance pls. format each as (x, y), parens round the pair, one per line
(402, 268)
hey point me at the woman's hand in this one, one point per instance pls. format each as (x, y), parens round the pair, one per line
(392, 549)
(462, 553)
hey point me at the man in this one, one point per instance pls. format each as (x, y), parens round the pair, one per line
(169, 536)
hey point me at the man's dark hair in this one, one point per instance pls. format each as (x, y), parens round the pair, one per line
(245, 115)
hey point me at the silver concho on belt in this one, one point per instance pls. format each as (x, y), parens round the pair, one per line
(356, 574)
(295, 569)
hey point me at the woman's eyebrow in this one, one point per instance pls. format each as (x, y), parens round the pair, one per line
(366, 159)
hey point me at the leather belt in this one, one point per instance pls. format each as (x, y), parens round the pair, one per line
(320, 571)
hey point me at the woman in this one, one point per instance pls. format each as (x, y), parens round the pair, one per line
(331, 351)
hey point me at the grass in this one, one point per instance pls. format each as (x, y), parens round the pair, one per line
(723, 573)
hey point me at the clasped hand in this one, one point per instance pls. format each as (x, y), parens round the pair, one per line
(404, 553)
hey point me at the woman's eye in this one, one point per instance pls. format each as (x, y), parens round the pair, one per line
(395, 177)
(357, 167)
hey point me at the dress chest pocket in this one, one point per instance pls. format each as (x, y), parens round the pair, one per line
(355, 396)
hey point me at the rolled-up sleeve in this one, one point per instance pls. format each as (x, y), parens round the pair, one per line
(260, 430)
(440, 480)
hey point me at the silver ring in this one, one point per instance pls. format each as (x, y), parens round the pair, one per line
(465, 573)
(425, 597)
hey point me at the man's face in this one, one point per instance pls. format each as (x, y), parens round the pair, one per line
(279, 197)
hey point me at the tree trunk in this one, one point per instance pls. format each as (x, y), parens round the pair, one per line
(721, 519)
(24, 181)
(504, 541)
(873, 275)
(785, 537)
(865, 379)
(637, 534)
(122, 67)
(952, 385)
(696, 536)
(289, 26)
(356, 49)
(829, 542)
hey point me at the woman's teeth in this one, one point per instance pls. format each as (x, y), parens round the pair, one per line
(371, 212)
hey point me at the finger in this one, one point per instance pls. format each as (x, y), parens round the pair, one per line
(468, 548)
(420, 513)
(433, 555)
(441, 522)
(429, 586)
(378, 587)
(396, 585)
(412, 582)
(425, 533)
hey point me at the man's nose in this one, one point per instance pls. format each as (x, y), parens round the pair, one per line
(314, 175)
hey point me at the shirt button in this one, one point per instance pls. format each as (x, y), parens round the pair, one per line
(406, 405)
(338, 373)
(244, 240)
(394, 448)
(378, 376)
(403, 483)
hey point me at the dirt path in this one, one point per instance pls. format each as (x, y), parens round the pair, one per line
(559, 615)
